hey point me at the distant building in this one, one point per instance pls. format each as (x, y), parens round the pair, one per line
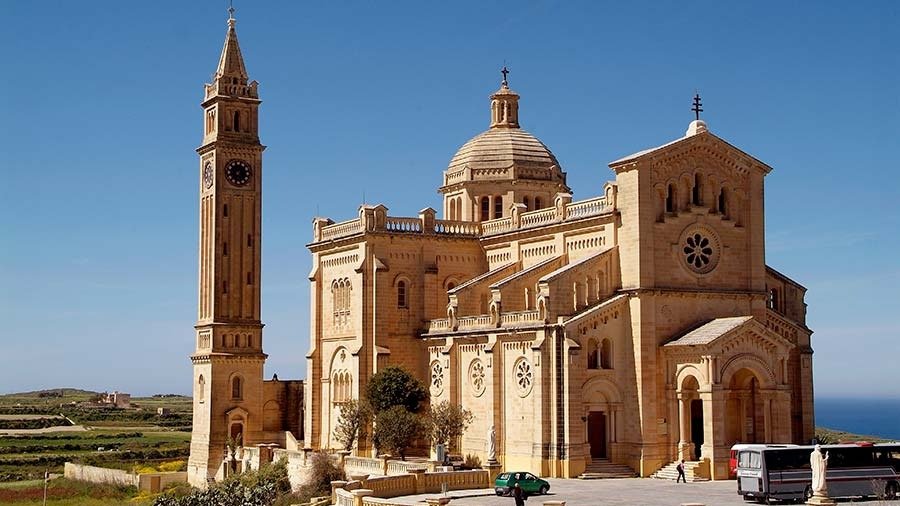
(117, 399)
(163, 411)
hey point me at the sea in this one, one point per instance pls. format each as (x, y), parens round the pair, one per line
(868, 417)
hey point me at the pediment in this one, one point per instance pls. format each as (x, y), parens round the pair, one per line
(690, 151)
(723, 336)
(237, 412)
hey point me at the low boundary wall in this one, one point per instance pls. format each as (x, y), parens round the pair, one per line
(150, 482)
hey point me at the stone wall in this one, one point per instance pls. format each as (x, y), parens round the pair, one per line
(150, 482)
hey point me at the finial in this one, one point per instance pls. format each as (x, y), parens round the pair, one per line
(230, 10)
(697, 106)
(505, 71)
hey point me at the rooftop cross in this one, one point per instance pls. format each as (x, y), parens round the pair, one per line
(230, 9)
(697, 106)
(505, 71)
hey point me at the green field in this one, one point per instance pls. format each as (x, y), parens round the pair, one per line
(108, 437)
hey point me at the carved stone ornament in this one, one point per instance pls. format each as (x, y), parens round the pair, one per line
(523, 375)
(477, 377)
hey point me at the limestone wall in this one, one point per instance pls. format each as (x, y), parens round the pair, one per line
(151, 482)
(100, 475)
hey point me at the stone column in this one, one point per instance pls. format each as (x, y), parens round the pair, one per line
(684, 426)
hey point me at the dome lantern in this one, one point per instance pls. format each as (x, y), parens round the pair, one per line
(504, 105)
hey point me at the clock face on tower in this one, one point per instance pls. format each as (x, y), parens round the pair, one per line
(208, 175)
(237, 172)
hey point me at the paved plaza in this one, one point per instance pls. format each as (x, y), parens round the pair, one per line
(632, 491)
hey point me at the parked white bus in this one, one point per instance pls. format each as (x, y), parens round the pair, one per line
(854, 470)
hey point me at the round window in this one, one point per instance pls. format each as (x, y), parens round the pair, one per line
(700, 249)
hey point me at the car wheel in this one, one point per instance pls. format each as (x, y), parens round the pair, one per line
(544, 489)
(891, 491)
(499, 493)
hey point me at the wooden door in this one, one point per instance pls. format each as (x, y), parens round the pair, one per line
(597, 434)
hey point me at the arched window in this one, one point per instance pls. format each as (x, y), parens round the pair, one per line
(452, 209)
(592, 352)
(485, 208)
(696, 195)
(401, 294)
(723, 203)
(527, 202)
(498, 206)
(773, 299)
(237, 388)
(606, 354)
(201, 388)
(538, 204)
(237, 121)
(671, 196)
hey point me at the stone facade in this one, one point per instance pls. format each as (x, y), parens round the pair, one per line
(232, 401)
(640, 326)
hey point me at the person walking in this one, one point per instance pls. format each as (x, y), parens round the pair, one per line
(680, 468)
(519, 495)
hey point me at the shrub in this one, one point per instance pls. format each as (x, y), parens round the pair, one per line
(396, 429)
(351, 423)
(322, 472)
(446, 422)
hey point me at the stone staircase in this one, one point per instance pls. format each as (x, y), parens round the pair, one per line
(694, 471)
(602, 468)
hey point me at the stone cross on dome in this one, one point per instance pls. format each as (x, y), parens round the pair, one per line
(505, 71)
(697, 106)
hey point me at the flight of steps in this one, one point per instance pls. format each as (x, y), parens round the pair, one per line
(670, 472)
(603, 468)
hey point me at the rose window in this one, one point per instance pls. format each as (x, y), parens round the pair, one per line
(524, 376)
(437, 378)
(700, 249)
(477, 377)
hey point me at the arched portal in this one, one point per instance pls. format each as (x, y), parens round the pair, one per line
(602, 406)
(745, 409)
(690, 408)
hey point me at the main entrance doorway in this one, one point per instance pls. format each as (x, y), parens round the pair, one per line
(597, 434)
(697, 426)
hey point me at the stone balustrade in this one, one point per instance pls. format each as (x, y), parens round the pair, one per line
(375, 219)
(418, 481)
(509, 319)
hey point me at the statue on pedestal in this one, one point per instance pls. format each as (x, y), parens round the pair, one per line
(819, 466)
(492, 445)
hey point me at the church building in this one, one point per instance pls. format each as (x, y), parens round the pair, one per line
(636, 327)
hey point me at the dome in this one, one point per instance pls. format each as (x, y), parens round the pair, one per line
(502, 148)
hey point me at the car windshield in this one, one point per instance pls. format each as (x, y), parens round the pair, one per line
(529, 476)
(503, 476)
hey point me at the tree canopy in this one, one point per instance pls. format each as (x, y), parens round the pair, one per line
(394, 386)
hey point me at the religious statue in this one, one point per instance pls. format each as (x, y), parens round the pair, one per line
(492, 445)
(819, 465)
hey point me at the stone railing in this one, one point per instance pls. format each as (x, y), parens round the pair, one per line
(363, 465)
(457, 227)
(375, 219)
(477, 321)
(365, 492)
(517, 317)
(496, 226)
(437, 325)
(395, 467)
(403, 224)
(563, 210)
(537, 218)
(585, 208)
(509, 319)
(342, 229)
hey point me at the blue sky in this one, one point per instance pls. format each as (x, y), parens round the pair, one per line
(101, 117)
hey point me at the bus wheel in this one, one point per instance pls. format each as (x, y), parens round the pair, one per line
(890, 490)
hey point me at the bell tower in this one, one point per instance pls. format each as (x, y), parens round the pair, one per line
(228, 358)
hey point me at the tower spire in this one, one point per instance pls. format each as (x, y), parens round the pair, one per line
(231, 63)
